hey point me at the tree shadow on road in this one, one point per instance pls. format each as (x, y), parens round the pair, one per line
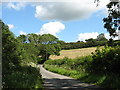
(67, 84)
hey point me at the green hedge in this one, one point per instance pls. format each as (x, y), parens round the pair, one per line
(106, 60)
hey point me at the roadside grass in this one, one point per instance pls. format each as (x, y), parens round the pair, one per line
(63, 71)
(73, 53)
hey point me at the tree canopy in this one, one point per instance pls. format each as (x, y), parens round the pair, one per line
(49, 45)
(101, 37)
(45, 45)
(112, 21)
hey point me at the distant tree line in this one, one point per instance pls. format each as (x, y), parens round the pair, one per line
(100, 41)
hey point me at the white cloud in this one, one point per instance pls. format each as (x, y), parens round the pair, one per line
(115, 38)
(52, 28)
(84, 36)
(10, 26)
(119, 34)
(62, 10)
(16, 6)
(22, 33)
(66, 11)
(107, 35)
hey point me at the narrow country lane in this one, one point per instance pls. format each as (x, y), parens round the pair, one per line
(53, 81)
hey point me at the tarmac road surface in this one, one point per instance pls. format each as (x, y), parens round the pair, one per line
(53, 81)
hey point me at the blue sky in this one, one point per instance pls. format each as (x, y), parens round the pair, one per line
(68, 21)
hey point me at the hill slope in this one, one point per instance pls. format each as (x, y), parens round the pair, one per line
(73, 53)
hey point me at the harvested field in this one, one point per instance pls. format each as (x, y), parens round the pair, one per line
(73, 53)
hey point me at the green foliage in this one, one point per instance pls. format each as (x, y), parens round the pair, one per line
(27, 56)
(100, 41)
(48, 39)
(111, 81)
(49, 45)
(106, 60)
(33, 38)
(64, 71)
(22, 38)
(72, 64)
(117, 42)
(101, 37)
(10, 56)
(15, 56)
(22, 50)
(57, 62)
(113, 19)
(40, 45)
(25, 77)
(89, 43)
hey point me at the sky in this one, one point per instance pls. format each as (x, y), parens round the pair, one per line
(69, 21)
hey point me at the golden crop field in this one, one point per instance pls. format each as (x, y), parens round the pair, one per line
(73, 53)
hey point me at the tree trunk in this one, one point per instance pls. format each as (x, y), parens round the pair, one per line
(45, 57)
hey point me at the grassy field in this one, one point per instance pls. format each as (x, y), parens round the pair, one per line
(73, 53)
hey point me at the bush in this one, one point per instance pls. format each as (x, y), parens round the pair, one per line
(106, 60)
(117, 42)
(57, 62)
(79, 63)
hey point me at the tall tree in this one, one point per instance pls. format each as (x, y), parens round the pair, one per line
(33, 38)
(22, 38)
(49, 45)
(91, 42)
(101, 37)
(10, 54)
(112, 21)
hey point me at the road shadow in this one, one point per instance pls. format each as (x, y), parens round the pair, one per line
(67, 84)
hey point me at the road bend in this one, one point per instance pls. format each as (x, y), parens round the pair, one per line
(53, 81)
